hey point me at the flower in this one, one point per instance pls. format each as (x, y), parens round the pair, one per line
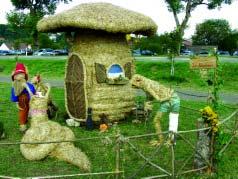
(210, 117)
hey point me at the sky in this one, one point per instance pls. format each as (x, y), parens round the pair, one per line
(157, 10)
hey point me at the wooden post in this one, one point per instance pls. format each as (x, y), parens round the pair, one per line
(117, 153)
(173, 161)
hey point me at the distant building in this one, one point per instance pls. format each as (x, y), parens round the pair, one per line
(187, 43)
(4, 47)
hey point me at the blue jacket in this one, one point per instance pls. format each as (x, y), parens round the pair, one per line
(15, 98)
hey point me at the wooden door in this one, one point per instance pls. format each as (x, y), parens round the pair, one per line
(75, 88)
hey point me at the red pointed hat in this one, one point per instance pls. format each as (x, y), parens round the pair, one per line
(20, 68)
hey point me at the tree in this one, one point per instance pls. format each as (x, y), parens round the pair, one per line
(230, 43)
(37, 9)
(216, 32)
(187, 6)
(211, 32)
(6, 33)
(16, 24)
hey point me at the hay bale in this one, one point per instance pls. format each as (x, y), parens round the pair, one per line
(99, 16)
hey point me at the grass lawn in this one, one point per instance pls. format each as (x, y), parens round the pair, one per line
(53, 68)
(102, 151)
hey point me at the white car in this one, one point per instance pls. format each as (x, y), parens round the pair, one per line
(44, 52)
(235, 53)
(186, 53)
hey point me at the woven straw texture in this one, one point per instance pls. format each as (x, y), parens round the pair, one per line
(154, 88)
(43, 130)
(99, 16)
(95, 48)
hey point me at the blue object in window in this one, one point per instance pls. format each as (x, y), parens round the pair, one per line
(115, 69)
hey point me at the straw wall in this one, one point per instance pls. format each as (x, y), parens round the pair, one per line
(105, 49)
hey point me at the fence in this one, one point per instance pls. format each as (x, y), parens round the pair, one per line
(124, 152)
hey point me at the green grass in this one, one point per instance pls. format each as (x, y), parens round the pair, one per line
(186, 77)
(48, 68)
(54, 68)
(102, 153)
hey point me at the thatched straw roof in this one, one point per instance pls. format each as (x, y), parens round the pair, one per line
(99, 16)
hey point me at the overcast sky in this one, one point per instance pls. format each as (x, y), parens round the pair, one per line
(157, 10)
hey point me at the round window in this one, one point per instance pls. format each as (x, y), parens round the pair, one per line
(115, 71)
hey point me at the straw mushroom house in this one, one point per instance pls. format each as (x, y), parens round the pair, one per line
(100, 63)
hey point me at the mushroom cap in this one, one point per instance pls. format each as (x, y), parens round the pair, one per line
(99, 16)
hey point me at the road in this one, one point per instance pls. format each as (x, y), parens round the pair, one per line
(137, 58)
(183, 59)
(227, 98)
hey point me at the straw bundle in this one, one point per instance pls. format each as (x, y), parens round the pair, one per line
(98, 51)
(98, 42)
(43, 130)
(99, 16)
(154, 88)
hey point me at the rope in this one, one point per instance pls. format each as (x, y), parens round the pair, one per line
(229, 117)
(73, 175)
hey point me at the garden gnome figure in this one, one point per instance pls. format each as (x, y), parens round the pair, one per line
(169, 102)
(21, 92)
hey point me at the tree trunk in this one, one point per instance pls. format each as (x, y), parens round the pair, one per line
(35, 40)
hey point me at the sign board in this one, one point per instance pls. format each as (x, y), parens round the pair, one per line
(203, 62)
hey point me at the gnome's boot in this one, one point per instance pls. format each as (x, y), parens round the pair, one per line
(157, 125)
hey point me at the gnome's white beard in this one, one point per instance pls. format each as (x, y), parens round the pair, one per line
(19, 86)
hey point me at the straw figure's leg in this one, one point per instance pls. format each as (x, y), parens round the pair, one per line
(66, 151)
(157, 126)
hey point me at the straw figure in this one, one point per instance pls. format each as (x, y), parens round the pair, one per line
(169, 102)
(44, 130)
(41, 89)
(21, 93)
(100, 63)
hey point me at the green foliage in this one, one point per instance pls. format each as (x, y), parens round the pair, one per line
(150, 43)
(160, 44)
(43, 7)
(230, 43)
(38, 9)
(212, 32)
(178, 6)
(184, 6)
(6, 33)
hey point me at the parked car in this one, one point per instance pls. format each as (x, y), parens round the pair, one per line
(223, 53)
(203, 53)
(235, 53)
(136, 52)
(44, 52)
(146, 52)
(186, 53)
(61, 52)
(4, 52)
